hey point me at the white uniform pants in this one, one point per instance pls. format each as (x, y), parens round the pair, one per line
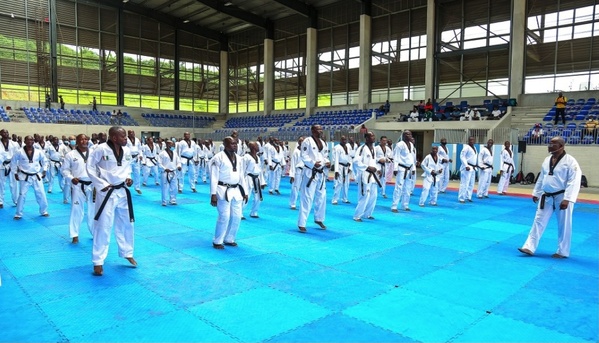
(443, 179)
(429, 187)
(54, 173)
(169, 187)
(115, 212)
(187, 169)
(147, 169)
(484, 181)
(40, 195)
(80, 200)
(229, 217)
(275, 178)
(12, 185)
(317, 193)
(202, 169)
(341, 186)
(136, 173)
(367, 195)
(467, 178)
(253, 196)
(403, 188)
(504, 182)
(295, 187)
(564, 225)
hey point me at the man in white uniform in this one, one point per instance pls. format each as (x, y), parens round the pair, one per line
(64, 149)
(295, 173)
(169, 162)
(468, 157)
(557, 188)
(352, 148)
(314, 154)
(384, 157)
(109, 168)
(54, 164)
(507, 168)
(254, 180)
(30, 167)
(186, 149)
(227, 192)
(405, 168)
(443, 154)
(7, 150)
(276, 165)
(134, 145)
(485, 167)
(74, 172)
(433, 169)
(368, 173)
(343, 169)
(201, 167)
(149, 155)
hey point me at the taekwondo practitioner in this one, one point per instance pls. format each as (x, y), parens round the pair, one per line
(405, 168)
(254, 180)
(276, 164)
(468, 157)
(149, 155)
(314, 154)
(433, 170)
(30, 167)
(186, 149)
(7, 174)
(109, 168)
(227, 192)
(169, 162)
(444, 157)
(485, 167)
(343, 168)
(507, 168)
(384, 156)
(557, 189)
(74, 171)
(134, 145)
(295, 173)
(368, 172)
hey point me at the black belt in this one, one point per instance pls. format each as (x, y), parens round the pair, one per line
(229, 186)
(434, 180)
(109, 193)
(256, 181)
(276, 164)
(406, 169)
(346, 165)
(83, 184)
(153, 159)
(187, 158)
(542, 205)
(170, 176)
(134, 156)
(313, 176)
(6, 165)
(202, 162)
(487, 166)
(31, 174)
(57, 165)
(511, 166)
(472, 165)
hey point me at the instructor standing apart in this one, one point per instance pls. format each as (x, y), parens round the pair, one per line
(557, 187)
(109, 168)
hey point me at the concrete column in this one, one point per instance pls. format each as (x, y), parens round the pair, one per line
(269, 76)
(311, 69)
(429, 73)
(518, 48)
(365, 61)
(223, 104)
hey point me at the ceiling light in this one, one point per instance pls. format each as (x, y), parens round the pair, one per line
(185, 21)
(125, 1)
(228, 3)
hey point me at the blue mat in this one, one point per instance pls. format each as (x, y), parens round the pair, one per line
(440, 274)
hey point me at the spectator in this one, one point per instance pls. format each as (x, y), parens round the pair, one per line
(591, 127)
(560, 108)
(363, 129)
(119, 117)
(94, 105)
(113, 118)
(421, 109)
(496, 113)
(61, 100)
(537, 134)
(428, 110)
(414, 115)
(48, 100)
(387, 107)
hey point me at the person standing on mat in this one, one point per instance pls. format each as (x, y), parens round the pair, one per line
(227, 192)
(109, 168)
(557, 189)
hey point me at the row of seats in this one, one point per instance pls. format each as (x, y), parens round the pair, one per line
(4, 115)
(342, 117)
(74, 116)
(574, 133)
(178, 120)
(270, 120)
(581, 109)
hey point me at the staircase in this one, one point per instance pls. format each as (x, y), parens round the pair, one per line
(524, 118)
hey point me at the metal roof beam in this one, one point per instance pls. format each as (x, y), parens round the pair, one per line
(303, 9)
(237, 12)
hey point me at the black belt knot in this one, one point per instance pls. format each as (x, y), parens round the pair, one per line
(109, 193)
(313, 176)
(256, 181)
(6, 165)
(406, 169)
(230, 186)
(542, 205)
(27, 175)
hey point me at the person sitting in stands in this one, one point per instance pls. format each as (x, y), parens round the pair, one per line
(428, 110)
(414, 115)
(454, 113)
(537, 133)
(496, 113)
